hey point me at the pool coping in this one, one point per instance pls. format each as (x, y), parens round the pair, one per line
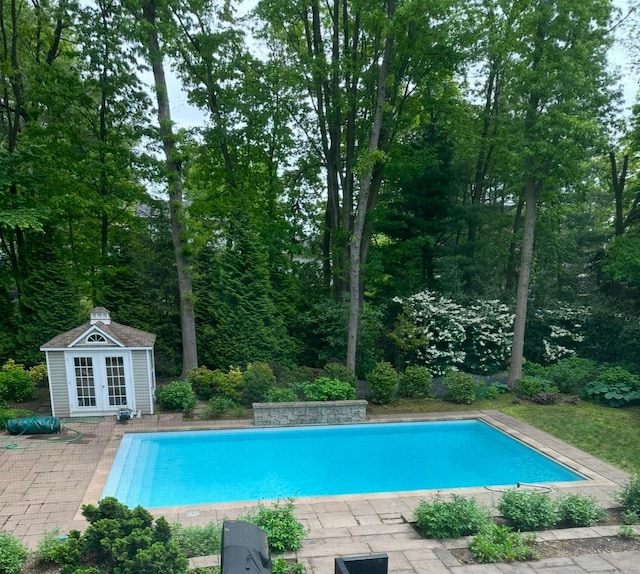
(602, 478)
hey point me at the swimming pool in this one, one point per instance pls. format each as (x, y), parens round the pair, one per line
(166, 469)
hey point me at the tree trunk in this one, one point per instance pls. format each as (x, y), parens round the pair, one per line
(174, 181)
(364, 200)
(618, 182)
(522, 297)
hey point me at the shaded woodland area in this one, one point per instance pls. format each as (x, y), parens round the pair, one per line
(352, 154)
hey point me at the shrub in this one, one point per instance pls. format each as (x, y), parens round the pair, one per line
(484, 391)
(284, 531)
(459, 387)
(281, 566)
(629, 497)
(47, 545)
(278, 395)
(459, 517)
(630, 517)
(13, 554)
(120, 540)
(257, 379)
(626, 532)
(218, 406)
(340, 372)
(578, 510)
(500, 544)
(207, 384)
(7, 414)
(383, 383)
(572, 373)
(295, 374)
(415, 383)
(39, 375)
(198, 540)
(531, 369)
(528, 510)
(615, 387)
(326, 389)
(531, 386)
(15, 383)
(177, 396)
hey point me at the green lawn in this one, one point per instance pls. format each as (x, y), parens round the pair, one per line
(610, 434)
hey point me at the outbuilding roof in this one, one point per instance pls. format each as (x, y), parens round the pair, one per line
(126, 336)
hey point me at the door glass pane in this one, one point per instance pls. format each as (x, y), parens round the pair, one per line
(85, 384)
(115, 381)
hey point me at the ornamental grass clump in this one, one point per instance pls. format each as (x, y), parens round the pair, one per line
(528, 509)
(451, 519)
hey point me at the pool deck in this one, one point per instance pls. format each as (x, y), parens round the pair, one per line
(44, 482)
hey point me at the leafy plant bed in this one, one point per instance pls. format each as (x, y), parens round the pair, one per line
(564, 548)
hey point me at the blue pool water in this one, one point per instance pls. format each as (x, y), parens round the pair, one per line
(182, 468)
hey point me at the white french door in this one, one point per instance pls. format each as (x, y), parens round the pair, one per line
(100, 383)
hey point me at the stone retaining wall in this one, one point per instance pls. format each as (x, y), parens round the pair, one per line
(309, 413)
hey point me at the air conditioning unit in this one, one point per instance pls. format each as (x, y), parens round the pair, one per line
(123, 415)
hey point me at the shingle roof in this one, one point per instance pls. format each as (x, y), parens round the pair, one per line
(128, 336)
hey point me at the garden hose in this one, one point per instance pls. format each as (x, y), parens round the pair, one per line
(64, 424)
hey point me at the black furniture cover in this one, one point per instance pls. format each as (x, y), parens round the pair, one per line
(244, 549)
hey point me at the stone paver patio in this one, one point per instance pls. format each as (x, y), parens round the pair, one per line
(44, 482)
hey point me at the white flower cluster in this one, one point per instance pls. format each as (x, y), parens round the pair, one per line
(478, 335)
(565, 326)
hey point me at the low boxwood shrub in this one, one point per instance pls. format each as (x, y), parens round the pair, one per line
(459, 387)
(615, 387)
(530, 386)
(326, 389)
(258, 378)
(13, 554)
(284, 531)
(528, 509)
(15, 383)
(415, 383)
(501, 544)
(578, 510)
(450, 519)
(383, 383)
(177, 396)
(217, 406)
(629, 497)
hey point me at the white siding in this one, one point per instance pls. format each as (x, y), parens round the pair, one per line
(59, 389)
(141, 381)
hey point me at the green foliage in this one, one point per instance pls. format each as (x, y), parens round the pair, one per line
(217, 406)
(629, 497)
(340, 372)
(531, 369)
(39, 375)
(15, 383)
(626, 532)
(177, 396)
(630, 517)
(48, 544)
(13, 554)
(257, 380)
(578, 510)
(528, 510)
(458, 517)
(294, 374)
(571, 374)
(284, 531)
(120, 541)
(415, 383)
(279, 395)
(615, 387)
(208, 384)
(7, 414)
(281, 566)
(484, 391)
(501, 544)
(459, 387)
(383, 383)
(326, 389)
(198, 540)
(531, 386)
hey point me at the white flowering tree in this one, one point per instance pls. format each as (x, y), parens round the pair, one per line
(562, 331)
(442, 334)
